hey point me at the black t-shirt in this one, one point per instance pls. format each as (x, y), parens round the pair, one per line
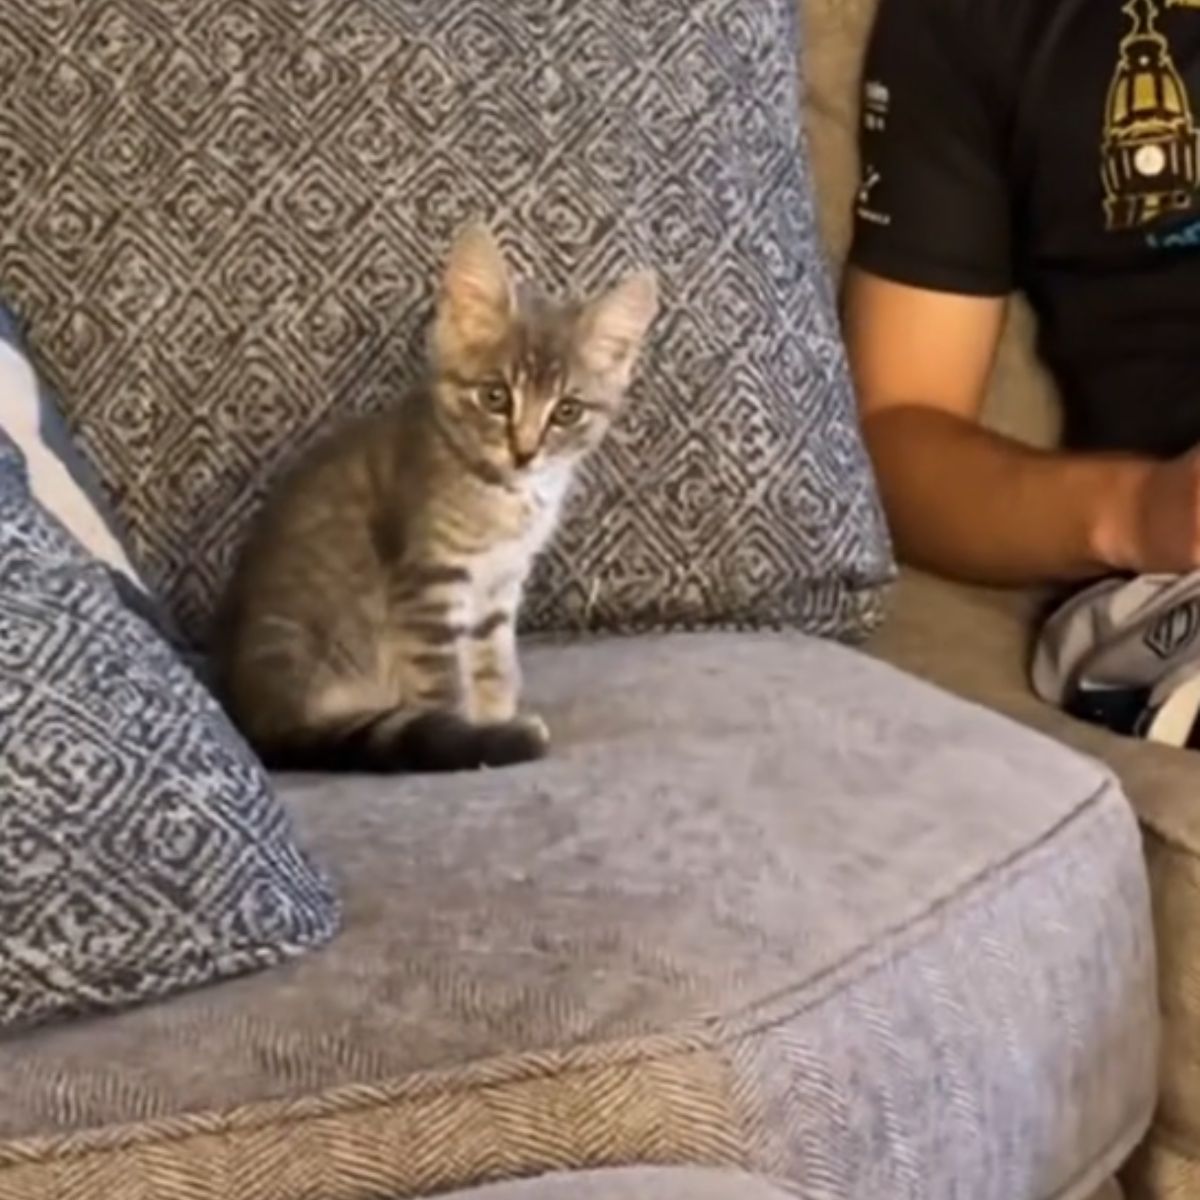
(1052, 147)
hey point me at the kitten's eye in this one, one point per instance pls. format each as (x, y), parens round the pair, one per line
(494, 398)
(568, 411)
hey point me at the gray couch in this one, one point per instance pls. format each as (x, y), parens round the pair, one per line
(783, 908)
(790, 911)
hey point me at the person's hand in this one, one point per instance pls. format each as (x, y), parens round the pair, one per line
(1151, 523)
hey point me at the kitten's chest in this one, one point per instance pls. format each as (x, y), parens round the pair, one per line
(508, 557)
(519, 541)
(520, 522)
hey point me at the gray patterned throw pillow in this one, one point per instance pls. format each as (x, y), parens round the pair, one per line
(223, 220)
(142, 851)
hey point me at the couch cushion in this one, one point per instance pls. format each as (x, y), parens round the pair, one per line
(228, 218)
(770, 903)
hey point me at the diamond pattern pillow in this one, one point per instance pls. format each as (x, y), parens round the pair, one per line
(142, 851)
(224, 218)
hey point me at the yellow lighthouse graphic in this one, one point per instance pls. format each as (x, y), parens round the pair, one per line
(1149, 145)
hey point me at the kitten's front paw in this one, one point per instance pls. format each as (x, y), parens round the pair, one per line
(523, 739)
(536, 726)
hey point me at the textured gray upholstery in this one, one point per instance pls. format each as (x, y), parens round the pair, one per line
(770, 904)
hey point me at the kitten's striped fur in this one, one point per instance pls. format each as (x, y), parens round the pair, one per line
(370, 622)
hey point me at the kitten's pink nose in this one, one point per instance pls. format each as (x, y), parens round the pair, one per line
(524, 451)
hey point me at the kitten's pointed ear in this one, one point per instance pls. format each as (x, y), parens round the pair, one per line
(475, 300)
(614, 325)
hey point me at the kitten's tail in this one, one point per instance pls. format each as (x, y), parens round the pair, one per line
(396, 742)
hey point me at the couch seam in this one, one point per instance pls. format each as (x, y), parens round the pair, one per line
(1011, 866)
(130, 1136)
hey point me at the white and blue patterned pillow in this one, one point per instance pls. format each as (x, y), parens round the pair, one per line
(142, 850)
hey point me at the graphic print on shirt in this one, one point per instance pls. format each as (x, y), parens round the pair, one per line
(876, 99)
(1149, 144)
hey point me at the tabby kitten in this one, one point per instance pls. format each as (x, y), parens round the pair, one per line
(370, 624)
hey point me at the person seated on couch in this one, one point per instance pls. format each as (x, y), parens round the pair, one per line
(1047, 146)
(1050, 147)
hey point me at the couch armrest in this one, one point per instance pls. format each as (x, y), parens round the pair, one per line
(976, 643)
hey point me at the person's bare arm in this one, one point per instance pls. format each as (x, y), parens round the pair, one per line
(972, 504)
